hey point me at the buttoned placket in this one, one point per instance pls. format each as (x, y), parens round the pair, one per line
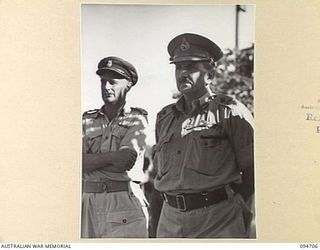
(107, 128)
(185, 148)
(180, 152)
(110, 130)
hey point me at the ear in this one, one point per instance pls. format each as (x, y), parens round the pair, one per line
(212, 73)
(209, 80)
(129, 85)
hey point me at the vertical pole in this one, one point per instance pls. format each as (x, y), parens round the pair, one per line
(237, 26)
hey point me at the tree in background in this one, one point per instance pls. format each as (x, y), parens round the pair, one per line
(234, 75)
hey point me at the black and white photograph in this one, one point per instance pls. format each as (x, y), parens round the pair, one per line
(167, 99)
(149, 122)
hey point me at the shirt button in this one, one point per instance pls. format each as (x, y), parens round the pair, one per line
(178, 152)
(124, 221)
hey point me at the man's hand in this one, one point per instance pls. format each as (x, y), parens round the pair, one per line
(246, 188)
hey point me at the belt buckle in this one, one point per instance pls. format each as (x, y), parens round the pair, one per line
(178, 196)
(104, 187)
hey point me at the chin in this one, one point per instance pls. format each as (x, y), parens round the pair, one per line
(185, 91)
(109, 100)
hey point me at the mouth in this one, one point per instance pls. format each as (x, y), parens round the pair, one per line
(108, 94)
(185, 84)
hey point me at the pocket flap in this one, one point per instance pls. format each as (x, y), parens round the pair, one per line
(93, 132)
(125, 217)
(209, 142)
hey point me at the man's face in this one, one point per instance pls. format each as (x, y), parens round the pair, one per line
(113, 87)
(191, 77)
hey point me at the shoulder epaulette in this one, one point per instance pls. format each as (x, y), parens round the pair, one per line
(132, 116)
(91, 112)
(139, 111)
(164, 112)
(232, 107)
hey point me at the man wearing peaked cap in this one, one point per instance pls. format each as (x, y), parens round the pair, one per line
(113, 141)
(193, 47)
(120, 66)
(204, 150)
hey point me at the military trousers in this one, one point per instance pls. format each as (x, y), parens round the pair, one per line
(226, 219)
(112, 215)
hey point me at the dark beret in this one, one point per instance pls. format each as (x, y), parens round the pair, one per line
(120, 66)
(193, 47)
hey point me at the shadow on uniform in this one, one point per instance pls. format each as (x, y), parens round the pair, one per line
(154, 198)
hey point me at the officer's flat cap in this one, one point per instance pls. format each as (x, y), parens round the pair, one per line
(193, 47)
(120, 66)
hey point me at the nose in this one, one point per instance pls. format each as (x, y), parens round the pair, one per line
(182, 73)
(108, 85)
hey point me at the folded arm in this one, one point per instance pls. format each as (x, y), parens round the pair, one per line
(113, 161)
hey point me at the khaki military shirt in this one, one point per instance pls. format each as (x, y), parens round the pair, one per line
(100, 135)
(205, 149)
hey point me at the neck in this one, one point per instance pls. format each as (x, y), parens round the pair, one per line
(187, 104)
(189, 98)
(112, 109)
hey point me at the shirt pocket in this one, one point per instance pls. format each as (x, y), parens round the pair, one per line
(162, 157)
(124, 224)
(210, 151)
(117, 135)
(93, 138)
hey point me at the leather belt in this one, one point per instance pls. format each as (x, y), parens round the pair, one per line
(187, 202)
(104, 186)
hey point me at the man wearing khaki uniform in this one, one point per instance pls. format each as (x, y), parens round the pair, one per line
(113, 137)
(204, 150)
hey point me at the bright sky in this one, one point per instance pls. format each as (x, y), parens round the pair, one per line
(140, 34)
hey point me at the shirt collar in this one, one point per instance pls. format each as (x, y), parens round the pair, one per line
(195, 103)
(121, 111)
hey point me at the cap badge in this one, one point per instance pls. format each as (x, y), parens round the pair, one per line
(109, 63)
(184, 45)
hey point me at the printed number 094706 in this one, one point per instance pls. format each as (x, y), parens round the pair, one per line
(304, 245)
